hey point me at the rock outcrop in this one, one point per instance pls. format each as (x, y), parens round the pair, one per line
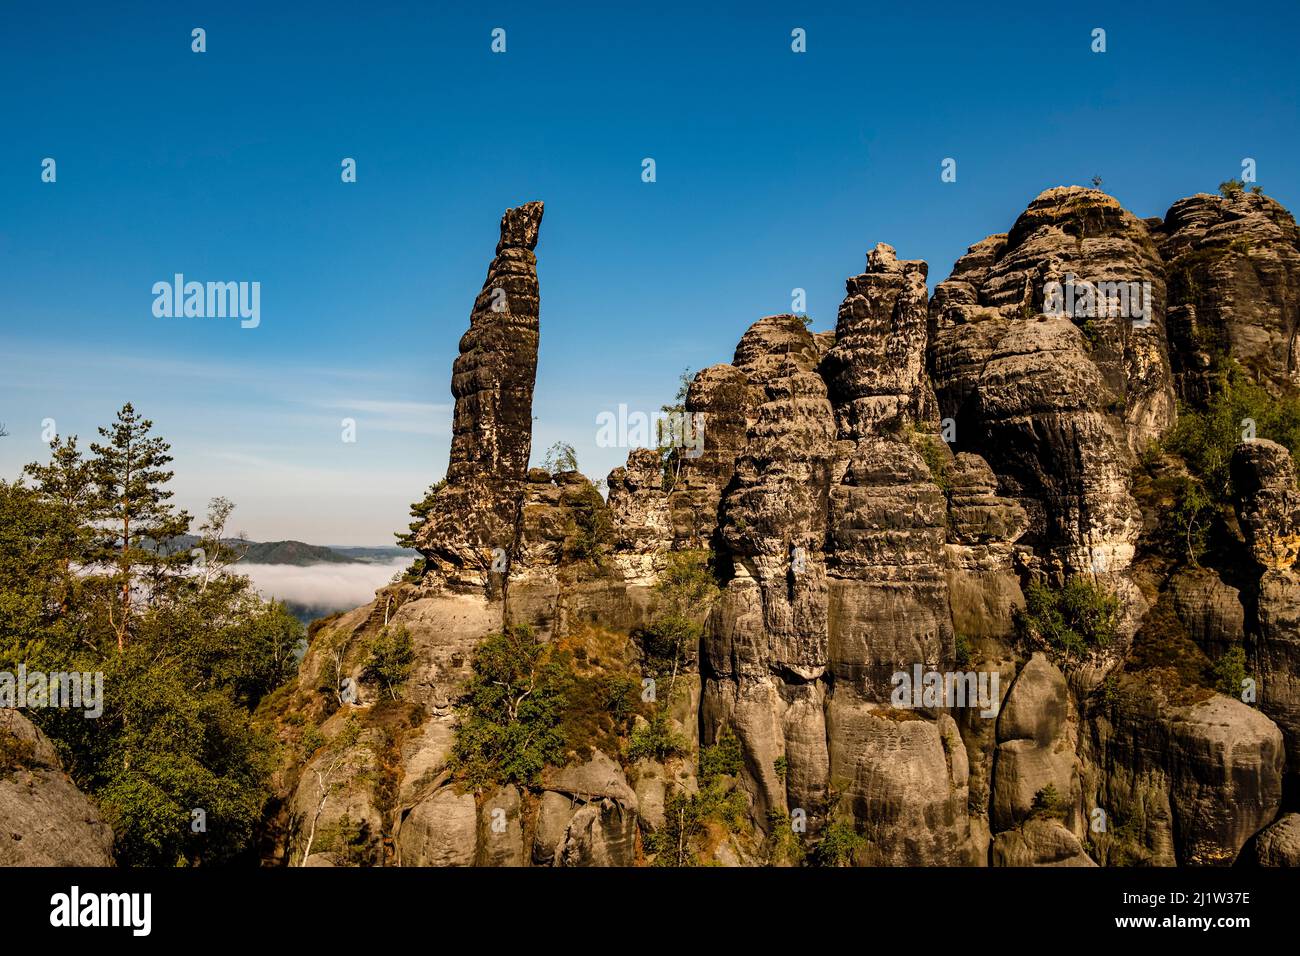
(866, 513)
(1234, 288)
(44, 819)
(471, 527)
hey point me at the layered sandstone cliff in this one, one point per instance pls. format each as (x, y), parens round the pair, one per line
(871, 502)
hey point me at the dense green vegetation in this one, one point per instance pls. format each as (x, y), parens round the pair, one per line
(717, 805)
(1048, 804)
(839, 843)
(391, 658)
(1203, 440)
(1229, 672)
(511, 712)
(186, 648)
(656, 740)
(686, 588)
(1073, 620)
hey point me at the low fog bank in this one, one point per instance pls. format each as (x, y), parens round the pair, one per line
(315, 590)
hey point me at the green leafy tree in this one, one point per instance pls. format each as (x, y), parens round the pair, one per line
(838, 845)
(560, 457)
(391, 658)
(670, 431)
(1229, 671)
(656, 740)
(1048, 804)
(420, 512)
(510, 716)
(1073, 620)
(686, 589)
(1205, 437)
(177, 739)
(717, 800)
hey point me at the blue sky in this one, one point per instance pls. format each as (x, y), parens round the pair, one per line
(775, 170)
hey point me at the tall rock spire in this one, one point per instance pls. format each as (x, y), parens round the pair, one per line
(471, 528)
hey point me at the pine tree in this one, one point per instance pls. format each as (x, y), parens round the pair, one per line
(66, 485)
(420, 511)
(135, 515)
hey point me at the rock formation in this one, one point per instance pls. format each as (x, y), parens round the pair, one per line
(877, 506)
(472, 524)
(44, 819)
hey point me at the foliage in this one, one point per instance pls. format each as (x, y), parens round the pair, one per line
(87, 584)
(935, 455)
(15, 753)
(1048, 804)
(510, 715)
(132, 512)
(391, 658)
(420, 513)
(1229, 671)
(1193, 514)
(723, 759)
(1205, 438)
(838, 845)
(618, 695)
(785, 846)
(670, 432)
(686, 588)
(717, 801)
(592, 529)
(1073, 620)
(963, 648)
(1231, 187)
(560, 457)
(656, 740)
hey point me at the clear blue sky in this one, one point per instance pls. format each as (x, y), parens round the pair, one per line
(775, 170)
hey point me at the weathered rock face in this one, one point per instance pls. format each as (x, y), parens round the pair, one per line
(1180, 780)
(1268, 510)
(768, 639)
(1279, 844)
(905, 781)
(1264, 477)
(44, 819)
(875, 371)
(1234, 288)
(473, 521)
(718, 398)
(873, 500)
(1056, 394)
(639, 511)
(1037, 734)
(774, 512)
(888, 598)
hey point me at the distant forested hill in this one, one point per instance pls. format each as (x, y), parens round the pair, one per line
(296, 553)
